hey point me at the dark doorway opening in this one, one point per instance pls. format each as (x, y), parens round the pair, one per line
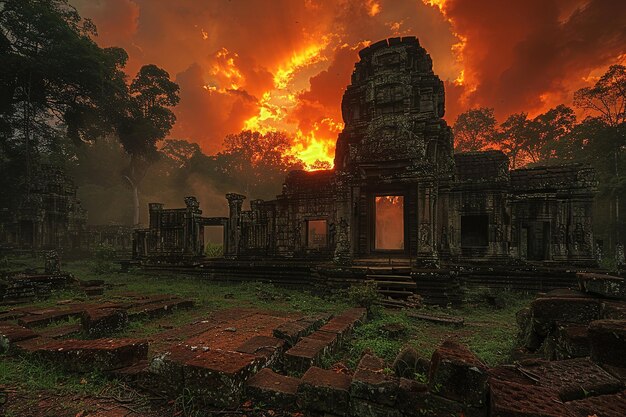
(538, 241)
(213, 241)
(389, 226)
(317, 234)
(475, 231)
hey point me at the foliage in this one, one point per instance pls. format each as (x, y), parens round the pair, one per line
(474, 129)
(102, 263)
(213, 250)
(364, 294)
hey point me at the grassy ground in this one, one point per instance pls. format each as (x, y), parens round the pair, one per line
(488, 332)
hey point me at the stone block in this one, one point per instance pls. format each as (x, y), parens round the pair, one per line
(103, 322)
(602, 406)
(614, 310)
(269, 348)
(414, 400)
(509, 399)
(314, 322)
(291, 332)
(546, 312)
(160, 309)
(49, 316)
(306, 353)
(457, 374)
(363, 408)
(572, 341)
(572, 378)
(215, 377)
(608, 342)
(408, 363)
(272, 389)
(371, 383)
(330, 339)
(325, 391)
(11, 333)
(97, 354)
(604, 285)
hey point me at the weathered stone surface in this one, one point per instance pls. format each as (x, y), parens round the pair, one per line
(325, 391)
(49, 316)
(273, 389)
(608, 342)
(407, 363)
(98, 354)
(509, 399)
(103, 322)
(60, 332)
(546, 312)
(306, 353)
(601, 406)
(330, 339)
(614, 310)
(293, 331)
(571, 379)
(371, 383)
(605, 285)
(314, 322)
(159, 309)
(457, 374)
(10, 334)
(215, 377)
(269, 348)
(414, 400)
(572, 341)
(363, 408)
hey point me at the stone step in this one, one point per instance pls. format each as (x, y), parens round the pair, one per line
(272, 389)
(90, 355)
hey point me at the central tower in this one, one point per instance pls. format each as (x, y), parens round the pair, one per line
(394, 155)
(393, 110)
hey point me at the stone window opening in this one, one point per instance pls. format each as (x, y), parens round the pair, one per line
(475, 230)
(317, 234)
(213, 241)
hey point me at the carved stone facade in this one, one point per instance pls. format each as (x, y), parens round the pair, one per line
(47, 215)
(398, 190)
(174, 235)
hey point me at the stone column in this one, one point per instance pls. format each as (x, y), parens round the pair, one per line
(426, 253)
(235, 204)
(343, 219)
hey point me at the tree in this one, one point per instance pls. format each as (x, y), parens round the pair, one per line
(547, 130)
(146, 119)
(257, 161)
(607, 100)
(474, 129)
(513, 137)
(53, 73)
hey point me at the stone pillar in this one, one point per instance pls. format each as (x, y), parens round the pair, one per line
(231, 244)
(426, 251)
(343, 219)
(193, 242)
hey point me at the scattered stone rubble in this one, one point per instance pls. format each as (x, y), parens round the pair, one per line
(275, 361)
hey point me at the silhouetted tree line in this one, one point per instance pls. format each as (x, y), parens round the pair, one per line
(557, 137)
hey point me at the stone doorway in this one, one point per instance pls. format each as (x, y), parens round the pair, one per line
(389, 230)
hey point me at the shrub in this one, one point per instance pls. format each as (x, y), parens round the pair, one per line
(213, 250)
(364, 295)
(104, 255)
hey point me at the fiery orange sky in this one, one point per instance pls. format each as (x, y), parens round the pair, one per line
(284, 64)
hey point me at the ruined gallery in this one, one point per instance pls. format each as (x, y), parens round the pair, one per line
(398, 190)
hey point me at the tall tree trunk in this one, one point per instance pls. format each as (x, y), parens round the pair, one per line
(136, 204)
(135, 187)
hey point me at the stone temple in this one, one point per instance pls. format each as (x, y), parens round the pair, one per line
(398, 190)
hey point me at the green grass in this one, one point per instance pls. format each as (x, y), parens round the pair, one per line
(490, 333)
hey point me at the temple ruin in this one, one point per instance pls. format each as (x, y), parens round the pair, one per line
(398, 190)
